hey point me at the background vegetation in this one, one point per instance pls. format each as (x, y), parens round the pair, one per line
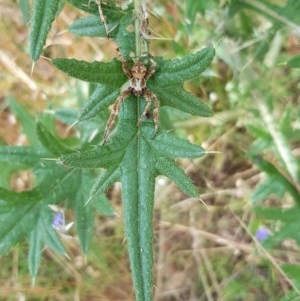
(204, 250)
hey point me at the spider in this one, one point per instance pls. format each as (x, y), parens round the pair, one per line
(138, 76)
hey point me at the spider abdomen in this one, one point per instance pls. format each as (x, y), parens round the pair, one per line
(137, 85)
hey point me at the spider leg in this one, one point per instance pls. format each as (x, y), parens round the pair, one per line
(114, 113)
(155, 111)
(151, 69)
(149, 97)
(125, 67)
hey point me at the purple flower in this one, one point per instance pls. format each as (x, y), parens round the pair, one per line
(58, 220)
(262, 233)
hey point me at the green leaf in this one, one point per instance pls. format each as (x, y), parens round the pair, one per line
(95, 157)
(138, 195)
(57, 183)
(276, 182)
(88, 6)
(25, 9)
(91, 27)
(134, 154)
(266, 188)
(49, 141)
(174, 147)
(103, 206)
(14, 199)
(92, 7)
(293, 272)
(84, 223)
(271, 213)
(84, 215)
(51, 239)
(102, 97)
(125, 37)
(97, 72)
(16, 223)
(289, 223)
(172, 72)
(26, 155)
(105, 180)
(117, 20)
(44, 12)
(35, 251)
(176, 97)
(294, 62)
(191, 10)
(170, 169)
(25, 118)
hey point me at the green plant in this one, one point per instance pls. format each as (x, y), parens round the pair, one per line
(133, 155)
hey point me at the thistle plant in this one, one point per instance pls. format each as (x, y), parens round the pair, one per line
(135, 151)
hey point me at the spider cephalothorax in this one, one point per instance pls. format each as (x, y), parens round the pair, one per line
(138, 76)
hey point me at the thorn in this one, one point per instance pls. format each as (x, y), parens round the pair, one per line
(50, 159)
(72, 125)
(33, 282)
(32, 68)
(203, 203)
(88, 200)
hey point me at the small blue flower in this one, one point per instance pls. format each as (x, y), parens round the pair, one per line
(262, 233)
(58, 220)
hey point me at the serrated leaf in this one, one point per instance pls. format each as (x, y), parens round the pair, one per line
(92, 6)
(125, 37)
(174, 147)
(16, 223)
(44, 12)
(97, 72)
(66, 115)
(12, 199)
(84, 215)
(276, 180)
(176, 97)
(35, 251)
(172, 72)
(259, 145)
(25, 118)
(115, 18)
(58, 183)
(49, 141)
(100, 156)
(266, 188)
(49, 234)
(84, 222)
(103, 205)
(289, 223)
(134, 154)
(90, 26)
(88, 6)
(170, 169)
(26, 155)
(102, 97)
(105, 180)
(138, 194)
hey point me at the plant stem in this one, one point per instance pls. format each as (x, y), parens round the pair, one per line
(137, 26)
